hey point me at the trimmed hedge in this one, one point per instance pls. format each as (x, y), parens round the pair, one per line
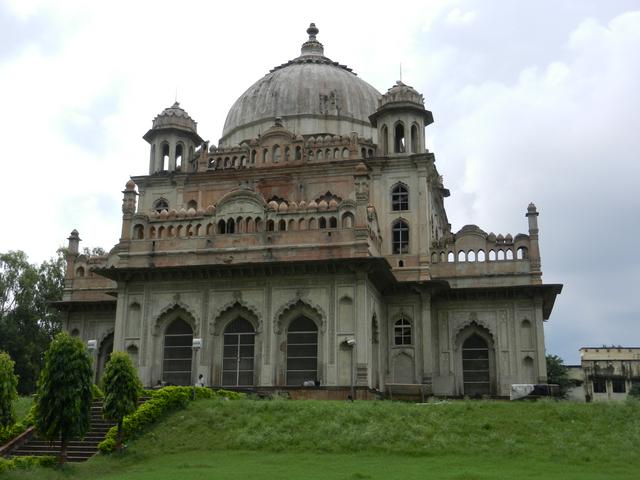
(27, 462)
(161, 402)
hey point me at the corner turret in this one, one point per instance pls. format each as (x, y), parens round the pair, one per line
(173, 138)
(401, 119)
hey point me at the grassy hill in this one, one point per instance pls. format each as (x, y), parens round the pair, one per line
(251, 439)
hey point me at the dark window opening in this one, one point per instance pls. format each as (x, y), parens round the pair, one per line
(176, 365)
(618, 385)
(238, 354)
(400, 237)
(302, 351)
(599, 385)
(400, 198)
(402, 332)
(399, 140)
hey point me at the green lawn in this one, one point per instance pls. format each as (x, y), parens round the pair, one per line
(312, 440)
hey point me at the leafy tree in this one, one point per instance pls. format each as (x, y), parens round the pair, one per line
(27, 320)
(121, 387)
(557, 373)
(8, 392)
(635, 391)
(64, 392)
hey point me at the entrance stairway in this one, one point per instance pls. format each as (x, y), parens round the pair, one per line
(77, 450)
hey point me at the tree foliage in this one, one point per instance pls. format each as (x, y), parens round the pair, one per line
(8, 392)
(27, 320)
(121, 387)
(557, 373)
(64, 392)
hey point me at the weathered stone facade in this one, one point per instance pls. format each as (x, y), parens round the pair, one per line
(312, 246)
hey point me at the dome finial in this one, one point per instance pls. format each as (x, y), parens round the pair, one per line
(312, 31)
(312, 46)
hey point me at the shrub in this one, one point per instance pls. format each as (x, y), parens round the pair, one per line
(635, 391)
(122, 387)
(161, 402)
(26, 462)
(8, 390)
(64, 392)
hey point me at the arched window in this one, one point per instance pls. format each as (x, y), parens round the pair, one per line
(312, 224)
(80, 272)
(231, 226)
(238, 354)
(165, 156)
(138, 232)
(481, 256)
(333, 222)
(276, 153)
(176, 364)
(384, 141)
(160, 204)
(265, 155)
(282, 225)
(192, 204)
(522, 253)
(298, 153)
(270, 226)
(287, 154)
(347, 220)
(179, 152)
(399, 140)
(345, 153)
(402, 332)
(222, 227)
(400, 231)
(415, 139)
(302, 351)
(322, 222)
(400, 197)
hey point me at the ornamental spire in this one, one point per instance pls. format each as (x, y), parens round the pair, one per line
(312, 46)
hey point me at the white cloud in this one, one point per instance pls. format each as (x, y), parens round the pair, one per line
(457, 17)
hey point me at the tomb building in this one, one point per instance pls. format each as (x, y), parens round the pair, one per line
(311, 243)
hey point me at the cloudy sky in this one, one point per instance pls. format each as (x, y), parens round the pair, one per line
(533, 101)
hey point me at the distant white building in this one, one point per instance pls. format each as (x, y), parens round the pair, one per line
(605, 373)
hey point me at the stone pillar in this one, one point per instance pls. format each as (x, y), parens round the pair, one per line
(534, 251)
(128, 209)
(72, 252)
(423, 235)
(540, 349)
(121, 313)
(361, 329)
(427, 341)
(361, 227)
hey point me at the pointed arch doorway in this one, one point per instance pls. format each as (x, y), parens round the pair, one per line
(238, 354)
(476, 366)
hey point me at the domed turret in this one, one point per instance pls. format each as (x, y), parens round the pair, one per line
(173, 138)
(401, 119)
(311, 93)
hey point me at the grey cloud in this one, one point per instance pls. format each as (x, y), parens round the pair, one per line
(17, 34)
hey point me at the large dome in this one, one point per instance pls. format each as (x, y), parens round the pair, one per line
(311, 93)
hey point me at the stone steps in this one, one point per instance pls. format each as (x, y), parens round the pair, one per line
(78, 450)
